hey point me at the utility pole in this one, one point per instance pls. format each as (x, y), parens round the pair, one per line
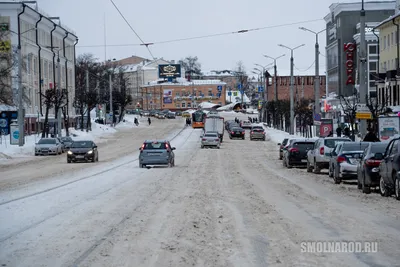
(291, 85)
(111, 101)
(21, 120)
(59, 94)
(275, 75)
(86, 99)
(317, 104)
(363, 68)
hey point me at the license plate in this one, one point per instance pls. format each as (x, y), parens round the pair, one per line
(80, 157)
(153, 154)
(303, 160)
(353, 161)
(237, 133)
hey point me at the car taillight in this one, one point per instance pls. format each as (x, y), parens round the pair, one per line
(293, 150)
(141, 149)
(253, 132)
(166, 146)
(232, 132)
(373, 162)
(203, 139)
(321, 150)
(243, 132)
(341, 159)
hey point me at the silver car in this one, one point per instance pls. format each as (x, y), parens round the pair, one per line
(48, 146)
(210, 139)
(156, 152)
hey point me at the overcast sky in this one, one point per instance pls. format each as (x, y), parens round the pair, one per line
(157, 20)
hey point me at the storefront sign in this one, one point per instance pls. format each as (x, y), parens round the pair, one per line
(349, 50)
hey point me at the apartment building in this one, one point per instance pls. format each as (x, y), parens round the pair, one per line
(43, 41)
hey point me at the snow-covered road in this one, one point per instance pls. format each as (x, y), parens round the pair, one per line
(236, 206)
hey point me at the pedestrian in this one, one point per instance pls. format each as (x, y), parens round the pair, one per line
(136, 122)
(330, 134)
(371, 136)
(346, 132)
(149, 121)
(339, 131)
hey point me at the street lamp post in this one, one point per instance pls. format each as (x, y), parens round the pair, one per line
(363, 69)
(275, 75)
(59, 91)
(291, 86)
(317, 105)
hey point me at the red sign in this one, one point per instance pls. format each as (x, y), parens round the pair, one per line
(349, 50)
(326, 127)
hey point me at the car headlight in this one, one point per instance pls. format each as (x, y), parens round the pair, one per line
(90, 152)
(70, 153)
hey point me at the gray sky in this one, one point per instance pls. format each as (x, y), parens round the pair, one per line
(156, 21)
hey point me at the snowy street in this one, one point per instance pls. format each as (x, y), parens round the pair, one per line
(234, 206)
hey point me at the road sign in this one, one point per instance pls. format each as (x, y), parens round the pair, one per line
(317, 117)
(363, 115)
(242, 92)
(219, 87)
(240, 86)
(260, 89)
(229, 93)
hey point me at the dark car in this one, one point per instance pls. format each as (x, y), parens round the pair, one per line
(296, 153)
(232, 125)
(281, 146)
(236, 132)
(156, 152)
(368, 167)
(67, 141)
(389, 170)
(83, 151)
(170, 115)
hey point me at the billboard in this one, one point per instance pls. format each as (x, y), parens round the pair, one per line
(389, 128)
(167, 96)
(169, 70)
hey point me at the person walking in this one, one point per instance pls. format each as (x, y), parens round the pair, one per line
(371, 136)
(339, 131)
(149, 121)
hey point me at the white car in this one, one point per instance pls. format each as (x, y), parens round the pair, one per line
(48, 146)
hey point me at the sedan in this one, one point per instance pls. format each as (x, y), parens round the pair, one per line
(210, 139)
(83, 151)
(237, 132)
(48, 146)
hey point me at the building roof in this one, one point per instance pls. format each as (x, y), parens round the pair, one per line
(369, 37)
(337, 8)
(397, 14)
(218, 73)
(207, 105)
(185, 82)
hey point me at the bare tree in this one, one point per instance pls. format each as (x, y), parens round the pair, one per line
(191, 64)
(48, 100)
(377, 108)
(241, 76)
(349, 107)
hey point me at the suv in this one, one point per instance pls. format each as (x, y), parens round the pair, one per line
(318, 158)
(156, 152)
(389, 170)
(296, 153)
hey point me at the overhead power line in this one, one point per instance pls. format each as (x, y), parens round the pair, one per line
(143, 43)
(203, 36)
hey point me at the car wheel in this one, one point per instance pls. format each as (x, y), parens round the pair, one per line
(170, 165)
(365, 188)
(397, 188)
(330, 173)
(94, 159)
(141, 165)
(336, 178)
(202, 146)
(359, 184)
(382, 188)
(316, 168)
(68, 161)
(243, 137)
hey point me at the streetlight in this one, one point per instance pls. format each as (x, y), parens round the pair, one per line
(265, 91)
(57, 87)
(275, 75)
(317, 106)
(291, 85)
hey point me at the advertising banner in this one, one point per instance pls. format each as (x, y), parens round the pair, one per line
(169, 71)
(388, 127)
(167, 96)
(326, 127)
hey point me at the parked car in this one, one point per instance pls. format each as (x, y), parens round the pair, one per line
(210, 139)
(281, 146)
(319, 157)
(67, 140)
(84, 150)
(48, 146)
(178, 113)
(257, 134)
(156, 152)
(368, 167)
(344, 160)
(296, 153)
(389, 170)
(245, 124)
(170, 115)
(236, 132)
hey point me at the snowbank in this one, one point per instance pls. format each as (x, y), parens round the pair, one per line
(277, 136)
(8, 151)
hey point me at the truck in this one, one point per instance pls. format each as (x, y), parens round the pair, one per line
(215, 123)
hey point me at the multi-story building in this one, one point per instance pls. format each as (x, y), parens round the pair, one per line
(341, 25)
(389, 51)
(182, 94)
(231, 78)
(43, 41)
(303, 87)
(141, 73)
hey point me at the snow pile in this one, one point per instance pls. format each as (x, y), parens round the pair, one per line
(128, 122)
(8, 151)
(277, 136)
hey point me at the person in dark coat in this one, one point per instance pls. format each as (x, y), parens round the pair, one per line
(346, 132)
(330, 134)
(149, 121)
(339, 131)
(371, 137)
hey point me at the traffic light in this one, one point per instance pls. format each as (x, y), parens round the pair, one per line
(4, 27)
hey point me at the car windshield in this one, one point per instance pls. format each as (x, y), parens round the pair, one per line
(378, 147)
(47, 141)
(155, 145)
(237, 129)
(211, 135)
(331, 143)
(258, 130)
(285, 141)
(66, 139)
(82, 144)
(303, 145)
(354, 146)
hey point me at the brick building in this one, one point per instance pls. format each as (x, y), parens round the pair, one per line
(182, 95)
(303, 87)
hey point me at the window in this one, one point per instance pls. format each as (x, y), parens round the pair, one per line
(372, 66)
(189, 105)
(384, 66)
(183, 105)
(384, 42)
(177, 105)
(392, 37)
(388, 40)
(372, 49)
